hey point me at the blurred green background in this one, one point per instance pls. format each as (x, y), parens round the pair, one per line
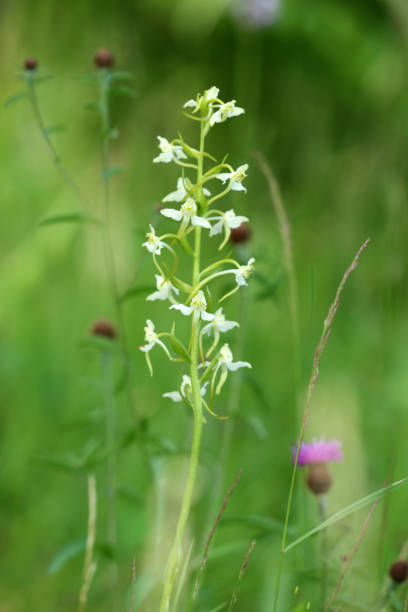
(325, 89)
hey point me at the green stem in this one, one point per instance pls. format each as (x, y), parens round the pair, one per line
(51, 149)
(110, 434)
(176, 554)
(322, 501)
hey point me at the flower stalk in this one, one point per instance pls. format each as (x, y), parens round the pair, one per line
(195, 218)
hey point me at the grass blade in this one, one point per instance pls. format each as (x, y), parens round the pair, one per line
(341, 514)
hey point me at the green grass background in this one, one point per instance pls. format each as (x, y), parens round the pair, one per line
(326, 98)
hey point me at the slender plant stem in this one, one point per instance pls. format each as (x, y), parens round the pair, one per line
(110, 436)
(176, 554)
(327, 326)
(49, 144)
(322, 502)
(89, 563)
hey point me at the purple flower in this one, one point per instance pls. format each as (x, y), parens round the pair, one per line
(318, 451)
(256, 14)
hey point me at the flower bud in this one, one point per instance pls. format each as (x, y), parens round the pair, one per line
(399, 571)
(240, 234)
(319, 480)
(104, 328)
(30, 63)
(103, 58)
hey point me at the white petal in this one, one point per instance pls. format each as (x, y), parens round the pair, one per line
(216, 118)
(185, 310)
(200, 221)
(217, 228)
(236, 221)
(163, 157)
(147, 347)
(177, 215)
(191, 103)
(175, 196)
(237, 186)
(206, 329)
(206, 192)
(174, 396)
(235, 365)
(206, 316)
(227, 325)
(240, 279)
(223, 176)
(154, 296)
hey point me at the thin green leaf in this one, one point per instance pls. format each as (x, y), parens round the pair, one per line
(108, 173)
(44, 79)
(122, 90)
(122, 76)
(92, 106)
(53, 129)
(70, 551)
(179, 348)
(220, 607)
(85, 78)
(341, 514)
(100, 343)
(18, 96)
(71, 217)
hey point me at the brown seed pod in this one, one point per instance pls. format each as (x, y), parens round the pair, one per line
(319, 479)
(399, 571)
(30, 63)
(103, 58)
(240, 234)
(104, 328)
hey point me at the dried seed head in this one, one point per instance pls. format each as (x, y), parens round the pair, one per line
(104, 328)
(30, 63)
(240, 234)
(319, 479)
(399, 571)
(103, 58)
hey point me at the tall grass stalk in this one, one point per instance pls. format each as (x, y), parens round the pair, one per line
(89, 563)
(327, 326)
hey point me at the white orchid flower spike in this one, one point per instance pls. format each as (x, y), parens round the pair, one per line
(169, 152)
(153, 243)
(186, 392)
(186, 214)
(182, 191)
(235, 177)
(226, 364)
(225, 111)
(226, 221)
(197, 308)
(165, 290)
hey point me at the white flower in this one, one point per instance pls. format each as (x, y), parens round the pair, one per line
(151, 339)
(153, 243)
(227, 221)
(243, 272)
(226, 364)
(235, 177)
(164, 290)
(225, 111)
(186, 391)
(186, 213)
(169, 152)
(183, 188)
(197, 309)
(219, 324)
(210, 95)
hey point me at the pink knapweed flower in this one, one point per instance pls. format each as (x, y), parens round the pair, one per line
(318, 451)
